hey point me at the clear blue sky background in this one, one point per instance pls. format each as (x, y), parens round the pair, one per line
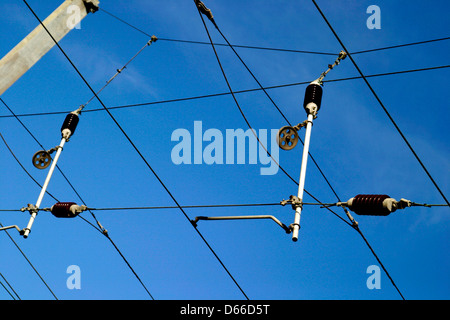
(353, 142)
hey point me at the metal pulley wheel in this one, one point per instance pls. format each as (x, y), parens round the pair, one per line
(42, 159)
(287, 138)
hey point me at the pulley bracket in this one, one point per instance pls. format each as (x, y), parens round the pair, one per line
(287, 137)
(42, 159)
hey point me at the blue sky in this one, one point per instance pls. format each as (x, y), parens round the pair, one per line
(353, 141)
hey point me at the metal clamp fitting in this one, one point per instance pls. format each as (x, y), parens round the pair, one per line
(294, 201)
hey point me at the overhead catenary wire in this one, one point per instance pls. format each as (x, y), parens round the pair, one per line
(119, 208)
(211, 206)
(382, 105)
(356, 227)
(2, 226)
(274, 49)
(203, 10)
(137, 150)
(323, 205)
(213, 95)
(10, 287)
(29, 262)
(7, 290)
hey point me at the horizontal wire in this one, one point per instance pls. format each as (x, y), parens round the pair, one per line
(208, 206)
(228, 93)
(221, 206)
(188, 207)
(306, 51)
(275, 49)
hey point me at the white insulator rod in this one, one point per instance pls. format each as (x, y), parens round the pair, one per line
(301, 184)
(44, 188)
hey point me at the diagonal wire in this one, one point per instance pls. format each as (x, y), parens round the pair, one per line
(20, 164)
(7, 290)
(136, 149)
(382, 105)
(379, 261)
(9, 285)
(356, 227)
(29, 262)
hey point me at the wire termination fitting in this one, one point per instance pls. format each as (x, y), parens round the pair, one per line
(69, 125)
(203, 9)
(91, 5)
(31, 208)
(375, 204)
(152, 39)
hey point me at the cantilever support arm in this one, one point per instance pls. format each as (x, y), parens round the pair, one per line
(282, 225)
(12, 227)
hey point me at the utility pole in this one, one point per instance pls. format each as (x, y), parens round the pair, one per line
(33, 47)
